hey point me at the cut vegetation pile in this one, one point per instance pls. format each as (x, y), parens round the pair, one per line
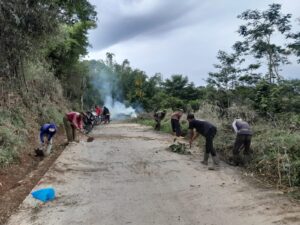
(180, 148)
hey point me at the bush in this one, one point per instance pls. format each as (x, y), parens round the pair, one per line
(50, 113)
(276, 150)
(12, 134)
(277, 155)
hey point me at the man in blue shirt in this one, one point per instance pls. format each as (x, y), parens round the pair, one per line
(48, 130)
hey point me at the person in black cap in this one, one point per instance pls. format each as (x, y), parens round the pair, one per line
(207, 130)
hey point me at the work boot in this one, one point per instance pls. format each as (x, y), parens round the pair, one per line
(213, 167)
(236, 161)
(215, 164)
(247, 159)
(216, 160)
(205, 159)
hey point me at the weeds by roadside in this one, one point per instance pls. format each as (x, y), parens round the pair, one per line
(276, 150)
(12, 135)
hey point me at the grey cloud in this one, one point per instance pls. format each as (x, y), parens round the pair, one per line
(175, 36)
(164, 17)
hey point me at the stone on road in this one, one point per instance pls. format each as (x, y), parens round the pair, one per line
(126, 176)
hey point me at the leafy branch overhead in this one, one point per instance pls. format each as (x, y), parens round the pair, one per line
(258, 33)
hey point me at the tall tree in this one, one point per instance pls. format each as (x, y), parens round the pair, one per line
(109, 59)
(226, 77)
(260, 28)
(24, 24)
(295, 46)
(175, 85)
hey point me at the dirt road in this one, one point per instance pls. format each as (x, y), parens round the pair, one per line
(126, 176)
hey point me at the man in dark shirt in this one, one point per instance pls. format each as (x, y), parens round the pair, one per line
(243, 139)
(158, 117)
(106, 114)
(207, 130)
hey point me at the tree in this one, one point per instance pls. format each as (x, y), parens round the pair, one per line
(178, 86)
(109, 59)
(23, 26)
(175, 85)
(226, 77)
(295, 46)
(258, 32)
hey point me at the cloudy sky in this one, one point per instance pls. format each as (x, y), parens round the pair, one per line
(175, 36)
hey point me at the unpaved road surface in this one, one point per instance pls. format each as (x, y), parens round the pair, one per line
(126, 176)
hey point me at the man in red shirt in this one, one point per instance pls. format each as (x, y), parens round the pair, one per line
(73, 121)
(98, 110)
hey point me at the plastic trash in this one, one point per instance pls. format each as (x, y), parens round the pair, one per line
(44, 195)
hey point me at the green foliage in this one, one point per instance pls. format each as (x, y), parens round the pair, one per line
(195, 105)
(179, 87)
(50, 114)
(258, 31)
(12, 135)
(26, 23)
(277, 98)
(9, 143)
(146, 122)
(230, 73)
(174, 103)
(295, 46)
(180, 148)
(227, 76)
(277, 151)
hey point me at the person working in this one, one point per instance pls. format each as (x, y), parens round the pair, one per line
(98, 111)
(73, 121)
(207, 130)
(175, 118)
(47, 131)
(158, 117)
(106, 114)
(242, 140)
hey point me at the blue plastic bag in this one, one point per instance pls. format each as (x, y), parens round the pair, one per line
(44, 195)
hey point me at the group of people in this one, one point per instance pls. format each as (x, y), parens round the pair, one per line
(75, 121)
(208, 131)
(72, 121)
(102, 113)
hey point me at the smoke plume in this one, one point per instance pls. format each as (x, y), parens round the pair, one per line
(108, 84)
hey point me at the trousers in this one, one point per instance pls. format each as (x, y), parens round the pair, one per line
(176, 127)
(209, 147)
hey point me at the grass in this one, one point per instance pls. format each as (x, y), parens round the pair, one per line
(50, 113)
(277, 155)
(276, 150)
(42, 102)
(14, 126)
(10, 141)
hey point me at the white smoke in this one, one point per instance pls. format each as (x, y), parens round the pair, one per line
(118, 110)
(107, 83)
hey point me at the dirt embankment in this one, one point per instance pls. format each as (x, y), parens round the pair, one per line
(18, 179)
